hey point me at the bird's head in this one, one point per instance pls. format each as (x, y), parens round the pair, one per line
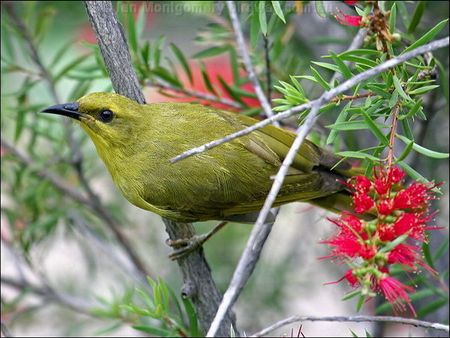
(108, 118)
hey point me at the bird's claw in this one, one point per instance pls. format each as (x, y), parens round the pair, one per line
(185, 246)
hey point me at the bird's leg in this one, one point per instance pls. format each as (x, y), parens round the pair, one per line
(183, 247)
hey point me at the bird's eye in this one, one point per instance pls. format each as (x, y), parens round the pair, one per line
(106, 116)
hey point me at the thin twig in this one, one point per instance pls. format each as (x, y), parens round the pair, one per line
(56, 180)
(390, 156)
(355, 319)
(246, 58)
(261, 230)
(327, 96)
(77, 159)
(50, 294)
(105, 246)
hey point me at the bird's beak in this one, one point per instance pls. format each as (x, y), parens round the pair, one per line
(66, 109)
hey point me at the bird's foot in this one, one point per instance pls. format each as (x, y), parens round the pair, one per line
(184, 246)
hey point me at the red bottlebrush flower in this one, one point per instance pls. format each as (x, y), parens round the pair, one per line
(367, 246)
(413, 197)
(396, 174)
(363, 203)
(385, 207)
(350, 2)
(362, 184)
(351, 279)
(412, 224)
(396, 293)
(348, 20)
(404, 254)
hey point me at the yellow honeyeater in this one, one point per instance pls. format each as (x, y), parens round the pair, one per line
(228, 182)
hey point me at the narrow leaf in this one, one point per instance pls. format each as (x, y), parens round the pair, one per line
(375, 129)
(423, 150)
(179, 55)
(412, 111)
(213, 51)
(262, 17)
(427, 37)
(399, 89)
(278, 10)
(417, 16)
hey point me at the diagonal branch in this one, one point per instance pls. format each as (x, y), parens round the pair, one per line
(262, 229)
(327, 96)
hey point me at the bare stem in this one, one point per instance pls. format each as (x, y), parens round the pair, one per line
(355, 319)
(247, 62)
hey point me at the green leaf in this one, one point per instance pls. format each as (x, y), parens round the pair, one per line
(156, 52)
(319, 79)
(340, 119)
(427, 37)
(179, 55)
(254, 26)
(69, 66)
(61, 51)
(417, 16)
(343, 69)
(154, 331)
(213, 51)
(131, 30)
(165, 75)
(407, 129)
(393, 18)
(355, 125)
(406, 151)
(231, 91)
(325, 65)
(278, 10)
(403, 12)
(320, 9)
(412, 112)
(379, 90)
(399, 88)
(422, 90)
(392, 244)
(355, 154)
(375, 129)
(431, 307)
(206, 80)
(262, 16)
(411, 172)
(393, 101)
(423, 150)
(359, 60)
(140, 21)
(192, 317)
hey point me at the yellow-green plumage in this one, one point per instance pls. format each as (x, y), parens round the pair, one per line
(231, 179)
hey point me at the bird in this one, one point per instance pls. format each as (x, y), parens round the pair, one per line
(228, 182)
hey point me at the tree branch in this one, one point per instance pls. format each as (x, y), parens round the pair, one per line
(355, 319)
(327, 96)
(194, 268)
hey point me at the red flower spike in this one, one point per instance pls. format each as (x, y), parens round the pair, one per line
(400, 211)
(396, 293)
(363, 203)
(348, 20)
